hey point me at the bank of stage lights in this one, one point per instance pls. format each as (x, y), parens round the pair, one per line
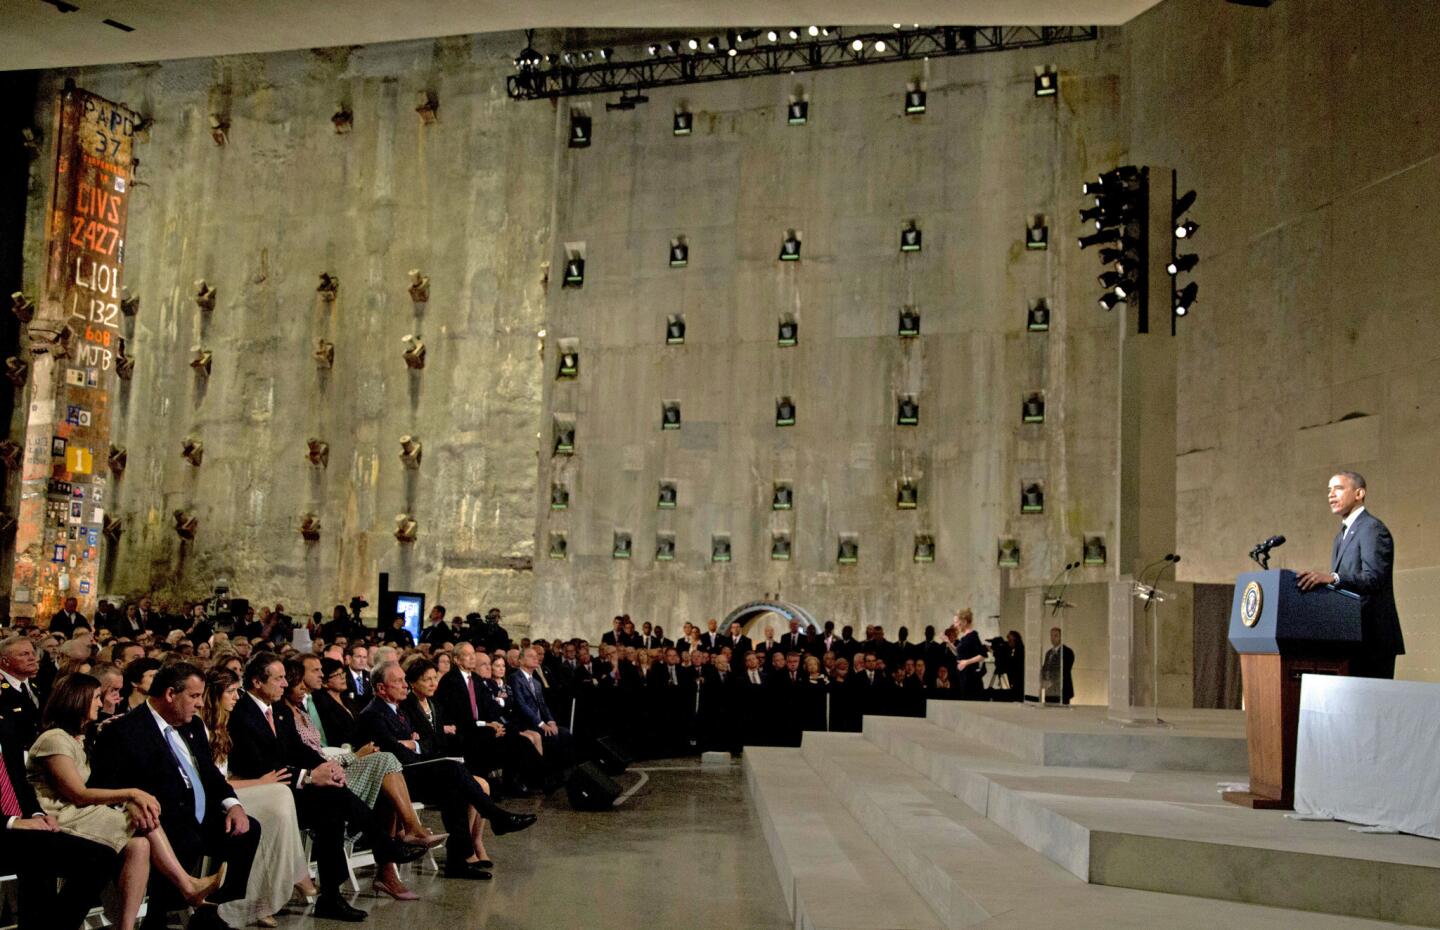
(1119, 220)
(780, 50)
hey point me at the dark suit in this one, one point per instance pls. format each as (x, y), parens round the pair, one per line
(22, 714)
(1051, 668)
(65, 622)
(357, 691)
(38, 858)
(131, 752)
(337, 719)
(1364, 559)
(122, 627)
(438, 634)
(793, 642)
(529, 710)
(430, 777)
(323, 810)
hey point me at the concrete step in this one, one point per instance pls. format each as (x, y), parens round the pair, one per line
(834, 876)
(967, 868)
(1169, 832)
(1082, 736)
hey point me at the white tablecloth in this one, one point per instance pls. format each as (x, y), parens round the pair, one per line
(1369, 753)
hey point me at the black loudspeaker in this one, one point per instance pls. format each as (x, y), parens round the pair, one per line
(590, 789)
(611, 756)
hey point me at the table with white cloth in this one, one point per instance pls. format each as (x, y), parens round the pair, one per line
(1369, 753)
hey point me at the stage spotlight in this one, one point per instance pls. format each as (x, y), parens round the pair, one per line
(772, 36)
(880, 45)
(732, 52)
(712, 44)
(684, 123)
(1111, 278)
(693, 44)
(567, 58)
(606, 54)
(1185, 298)
(793, 34)
(1186, 229)
(673, 47)
(914, 101)
(1182, 203)
(1097, 238)
(653, 49)
(1182, 264)
(814, 31)
(1109, 299)
(857, 45)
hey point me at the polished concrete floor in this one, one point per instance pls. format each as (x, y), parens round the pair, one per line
(684, 851)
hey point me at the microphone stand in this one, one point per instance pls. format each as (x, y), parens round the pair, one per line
(1057, 604)
(1151, 596)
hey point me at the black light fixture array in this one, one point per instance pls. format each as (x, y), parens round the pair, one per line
(1116, 221)
(774, 51)
(1181, 298)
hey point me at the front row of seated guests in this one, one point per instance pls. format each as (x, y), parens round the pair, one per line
(211, 768)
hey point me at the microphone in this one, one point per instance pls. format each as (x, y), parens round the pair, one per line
(1050, 588)
(1065, 583)
(1261, 552)
(1170, 559)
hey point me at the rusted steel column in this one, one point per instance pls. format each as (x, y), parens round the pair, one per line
(74, 343)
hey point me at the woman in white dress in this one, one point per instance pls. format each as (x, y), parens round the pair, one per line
(280, 866)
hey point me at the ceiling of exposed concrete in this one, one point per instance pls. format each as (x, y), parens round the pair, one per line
(37, 34)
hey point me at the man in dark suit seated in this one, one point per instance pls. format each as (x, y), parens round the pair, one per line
(160, 747)
(357, 667)
(1362, 560)
(37, 853)
(442, 782)
(531, 711)
(264, 739)
(462, 695)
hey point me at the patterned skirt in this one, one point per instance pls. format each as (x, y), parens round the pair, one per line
(363, 775)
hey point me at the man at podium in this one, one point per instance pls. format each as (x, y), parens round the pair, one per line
(1362, 560)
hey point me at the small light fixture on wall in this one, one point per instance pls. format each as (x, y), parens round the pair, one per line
(790, 246)
(670, 414)
(1037, 233)
(783, 496)
(564, 431)
(193, 450)
(784, 412)
(317, 452)
(797, 113)
(788, 333)
(668, 496)
(620, 545)
(914, 101)
(324, 354)
(679, 252)
(204, 295)
(1032, 410)
(720, 548)
(909, 323)
(665, 547)
(309, 527)
(428, 106)
(414, 351)
(574, 270)
(1008, 553)
(1047, 81)
(329, 287)
(1093, 552)
(579, 129)
(1032, 497)
(559, 496)
(910, 238)
(419, 286)
(186, 524)
(907, 410)
(343, 120)
(780, 547)
(1037, 316)
(907, 494)
(684, 123)
(675, 330)
(201, 362)
(848, 552)
(559, 546)
(924, 550)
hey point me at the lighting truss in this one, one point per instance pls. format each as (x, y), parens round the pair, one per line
(668, 69)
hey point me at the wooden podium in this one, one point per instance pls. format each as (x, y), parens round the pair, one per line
(1282, 633)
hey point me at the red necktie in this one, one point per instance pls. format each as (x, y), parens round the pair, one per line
(470, 686)
(9, 804)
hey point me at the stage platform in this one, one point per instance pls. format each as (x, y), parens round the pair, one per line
(982, 837)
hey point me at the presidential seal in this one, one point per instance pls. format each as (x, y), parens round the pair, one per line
(1252, 601)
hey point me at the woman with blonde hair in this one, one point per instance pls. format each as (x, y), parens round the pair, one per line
(970, 667)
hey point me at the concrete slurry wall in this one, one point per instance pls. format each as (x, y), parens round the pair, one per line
(1313, 346)
(466, 200)
(985, 156)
